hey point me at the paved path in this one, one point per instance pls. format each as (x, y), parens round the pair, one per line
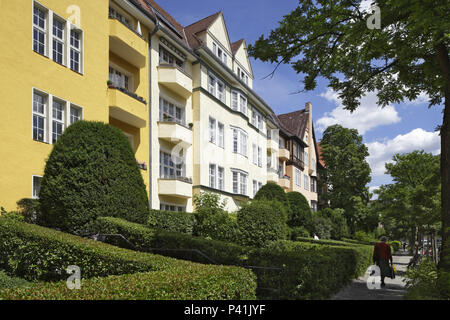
(394, 290)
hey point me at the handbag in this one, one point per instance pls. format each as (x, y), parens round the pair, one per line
(392, 271)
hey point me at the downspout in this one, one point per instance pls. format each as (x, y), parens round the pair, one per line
(150, 113)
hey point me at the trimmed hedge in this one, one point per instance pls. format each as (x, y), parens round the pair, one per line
(37, 253)
(182, 222)
(91, 172)
(328, 242)
(324, 269)
(7, 282)
(272, 191)
(301, 211)
(194, 282)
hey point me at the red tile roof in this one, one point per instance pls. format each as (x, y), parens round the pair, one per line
(199, 26)
(295, 122)
(235, 45)
(319, 152)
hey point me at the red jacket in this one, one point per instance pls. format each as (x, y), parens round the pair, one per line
(382, 251)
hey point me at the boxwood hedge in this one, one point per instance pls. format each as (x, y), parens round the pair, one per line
(307, 270)
(195, 282)
(182, 222)
(37, 253)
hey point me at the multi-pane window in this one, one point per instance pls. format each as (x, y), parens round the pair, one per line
(75, 50)
(171, 207)
(242, 75)
(221, 136)
(170, 167)
(255, 153)
(114, 14)
(58, 40)
(39, 117)
(257, 119)
(306, 184)
(166, 57)
(119, 79)
(216, 132)
(298, 177)
(220, 178)
(216, 87)
(51, 116)
(306, 157)
(259, 157)
(313, 184)
(39, 30)
(212, 130)
(282, 143)
(238, 102)
(240, 182)
(314, 206)
(57, 119)
(75, 114)
(219, 53)
(36, 186)
(168, 112)
(212, 176)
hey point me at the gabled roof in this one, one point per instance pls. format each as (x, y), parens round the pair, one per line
(199, 26)
(235, 45)
(319, 152)
(295, 122)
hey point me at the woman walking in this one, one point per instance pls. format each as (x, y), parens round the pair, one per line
(381, 256)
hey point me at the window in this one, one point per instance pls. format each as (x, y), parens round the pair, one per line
(221, 137)
(306, 184)
(39, 30)
(314, 164)
(58, 40)
(221, 178)
(39, 115)
(171, 207)
(75, 50)
(166, 57)
(306, 158)
(256, 186)
(240, 139)
(242, 75)
(212, 130)
(238, 102)
(255, 154)
(259, 157)
(282, 143)
(314, 206)
(298, 177)
(120, 79)
(219, 53)
(58, 119)
(212, 176)
(168, 112)
(116, 15)
(240, 182)
(36, 186)
(257, 119)
(216, 87)
(171, 167)
(313, 184)
(51, 116)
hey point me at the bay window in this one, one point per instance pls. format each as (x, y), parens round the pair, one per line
(240, 182)
(168, 112)
(170, 166)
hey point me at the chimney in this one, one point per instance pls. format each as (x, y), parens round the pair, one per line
(308, 108)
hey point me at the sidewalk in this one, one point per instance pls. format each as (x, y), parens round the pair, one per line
(394, 289)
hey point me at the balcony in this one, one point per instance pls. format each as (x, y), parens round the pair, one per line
(175, 186)
(127, 107)
(283, 154)
(126, 43)
(272, 175)
(284, 182)
(174, 132)
(294, 161)
(272, 146)
(176, 79)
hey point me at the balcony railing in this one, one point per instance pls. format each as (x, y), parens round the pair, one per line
(295, 161)
(176, 177)
(168, 118)
(125, 24)
(129, 93)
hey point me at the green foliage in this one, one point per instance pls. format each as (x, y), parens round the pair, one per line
(29, 209)
(207, 205)
(272, 191)
(322, 226)
(219, 226)
(363, 237)
(310, 271)
(421, 282)
(298, 232)
(91, 172)
(339, 227)
(13, 215)
(301, 212)
(182, 222)
(395, 245)
(195, 282)
(262, 221)
(7, 282)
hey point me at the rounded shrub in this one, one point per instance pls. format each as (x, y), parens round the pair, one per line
(91, 172)
(272, 191)
(322, 226)
(301, 215)
(299, 232)
(261, 221)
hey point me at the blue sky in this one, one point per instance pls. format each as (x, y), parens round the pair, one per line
(397, 128)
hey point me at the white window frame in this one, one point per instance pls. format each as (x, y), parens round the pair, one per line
(306, 184)
(74, 49)
(33, 196)
(42, 115)
(221, 178)
(216, 87)
(239, 102)
(298, 177)
(58, 121)
(62, 40)
(166, 104)
(221, 134)
(164, 205)
(122, 73)
(240, 141)
(240, 184)
(212, 176)
(174, 166)
(260, 164)
(212, 125)
(39, 28)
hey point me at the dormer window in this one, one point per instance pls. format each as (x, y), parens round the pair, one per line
(219, 53)
(242, 76)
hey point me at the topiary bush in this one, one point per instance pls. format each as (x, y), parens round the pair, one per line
(219, 226)
(91, 172)
(173, 221)
(261, 221)
(339, 228)
(301, 212)
(322, 226)
(272, 191)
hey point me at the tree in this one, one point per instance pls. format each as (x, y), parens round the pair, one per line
(339, 227)
(272, 191)
(301, 212)
(347, 172)
(91, 172)
(407, 56)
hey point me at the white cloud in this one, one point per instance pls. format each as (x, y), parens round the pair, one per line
(366, 117)
(417, 139)
(371, 190)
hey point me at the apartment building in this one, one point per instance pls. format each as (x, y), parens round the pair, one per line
(183, 96)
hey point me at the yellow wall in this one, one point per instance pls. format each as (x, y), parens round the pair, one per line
(23, 69)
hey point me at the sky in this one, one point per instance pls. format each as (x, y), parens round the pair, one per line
(397, 128)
